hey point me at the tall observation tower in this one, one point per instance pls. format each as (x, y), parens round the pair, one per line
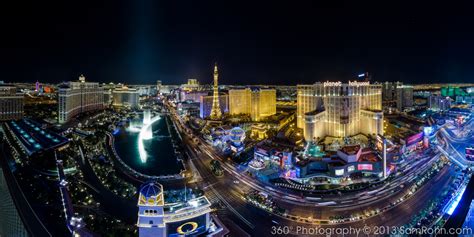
(216, 109)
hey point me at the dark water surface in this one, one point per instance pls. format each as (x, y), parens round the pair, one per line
(161, 159)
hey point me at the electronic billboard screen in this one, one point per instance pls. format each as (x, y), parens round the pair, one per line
(339, 172)
(191, 227)
(364, 167)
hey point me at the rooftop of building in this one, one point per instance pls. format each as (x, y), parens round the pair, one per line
(403, 120)
(275, 144)
(373, 110)
(33, 137)
(188, 205)
(368, 155)
(237, 131)
(151, 194)
(350, 150)
(332, 160)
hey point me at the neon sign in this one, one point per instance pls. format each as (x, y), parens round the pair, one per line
(187, 228)
(364, 167)
(332, 83)
(359, 83)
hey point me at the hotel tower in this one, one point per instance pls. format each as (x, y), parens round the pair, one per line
(339, 109)
(78, 97)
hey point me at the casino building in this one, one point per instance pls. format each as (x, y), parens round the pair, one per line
(339, 109)
(79, 97)
(125, 97)
(258, 103)
(159, 219)
(11, 103)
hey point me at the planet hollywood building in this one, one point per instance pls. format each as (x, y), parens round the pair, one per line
(339, 109)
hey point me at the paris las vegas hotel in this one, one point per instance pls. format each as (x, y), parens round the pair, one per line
(339, 109)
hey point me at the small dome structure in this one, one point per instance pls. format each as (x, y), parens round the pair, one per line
(151, 194)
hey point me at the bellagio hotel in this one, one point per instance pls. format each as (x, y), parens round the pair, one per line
(79, 97)
(339, 109)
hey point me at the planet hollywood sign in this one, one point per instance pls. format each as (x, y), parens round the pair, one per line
(359, 83)
(351, 83)
(332, 83)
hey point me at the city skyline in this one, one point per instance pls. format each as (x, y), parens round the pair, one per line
(287, 45)
(152, 118)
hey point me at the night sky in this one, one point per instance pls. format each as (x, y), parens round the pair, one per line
(138, 42)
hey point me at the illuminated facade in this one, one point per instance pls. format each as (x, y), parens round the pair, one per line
(159, 219)
(205, 105)
(192, 84)
(79, 97)
(11, 103)
(439, 103)
(389, 90)
(339, 110)
(404, 97)
(258, 103)
(216, 112)
(239, 101)
(125, 97)
(159, 84)
(193, 96)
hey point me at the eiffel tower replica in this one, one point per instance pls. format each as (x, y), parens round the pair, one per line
(216, 109)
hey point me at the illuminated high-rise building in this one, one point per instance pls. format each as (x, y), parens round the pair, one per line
(263, 103)
(258, 103)
(79, 97)
(191, 85)
(159, 84)
(239, 101)
(193, 81)
(339, 110)
(389, 90)
(125, 97)
(11, 103)
(439, 103)
(404, 97)
(216, 112)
